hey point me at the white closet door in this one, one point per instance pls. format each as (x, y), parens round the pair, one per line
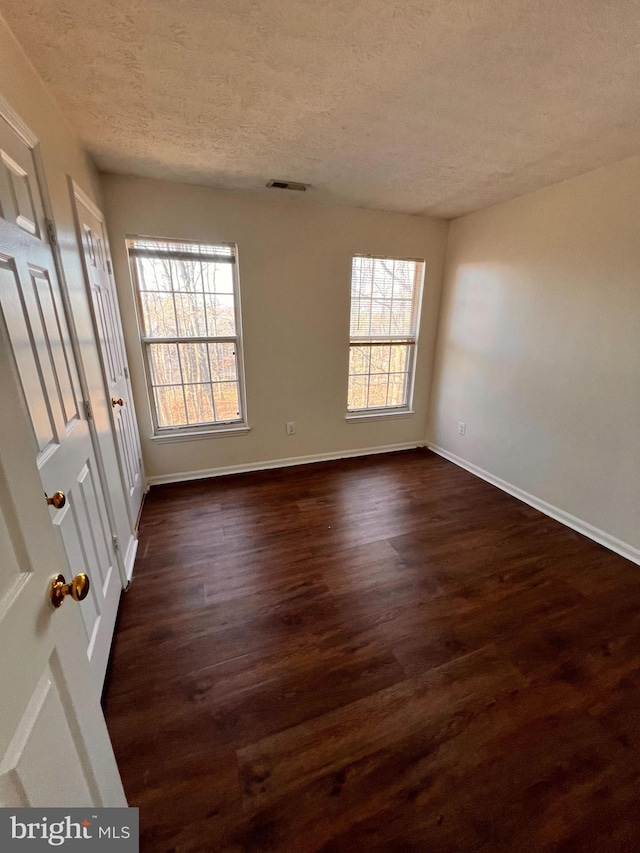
(40, 347)
(54, 745)
(106, 317)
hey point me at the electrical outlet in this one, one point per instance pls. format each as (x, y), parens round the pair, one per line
(291, 427)
(462, 428)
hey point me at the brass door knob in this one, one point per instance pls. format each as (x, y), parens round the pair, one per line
(78, 589)
(118, 402)
(57, 499)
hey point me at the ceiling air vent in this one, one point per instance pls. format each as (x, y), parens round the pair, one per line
(288, 185)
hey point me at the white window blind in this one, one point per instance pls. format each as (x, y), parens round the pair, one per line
(385, 302)
(190, 322)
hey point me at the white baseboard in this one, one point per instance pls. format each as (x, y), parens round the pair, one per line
(130, 557)
(279, 463)
(599, 536)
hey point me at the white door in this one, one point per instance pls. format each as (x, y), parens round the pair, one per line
(32, 305)
(54, 745)
(98, 270)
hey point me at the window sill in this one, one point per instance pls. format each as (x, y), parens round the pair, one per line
(195, 436)
(377, 416)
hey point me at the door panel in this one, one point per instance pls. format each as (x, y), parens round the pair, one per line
(23, 779)
(56, 337)
(33, 310)
(127, 432)
(106, 315)
(42, 420)
(18, 199)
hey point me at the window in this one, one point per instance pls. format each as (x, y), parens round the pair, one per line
(385, 313)
(189, 313)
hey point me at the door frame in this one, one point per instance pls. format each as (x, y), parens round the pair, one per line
(15, 121)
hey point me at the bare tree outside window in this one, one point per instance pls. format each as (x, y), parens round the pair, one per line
(385, 306)
(188, 305)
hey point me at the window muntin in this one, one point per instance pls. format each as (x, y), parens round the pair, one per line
(385, 313)
(189, 316)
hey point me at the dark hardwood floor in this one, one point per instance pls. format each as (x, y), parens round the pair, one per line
(379, 654)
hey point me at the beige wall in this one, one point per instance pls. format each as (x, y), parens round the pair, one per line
(63, 157)
(539, 346)
(295, 265)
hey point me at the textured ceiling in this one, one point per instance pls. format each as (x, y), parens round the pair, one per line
(422, 106)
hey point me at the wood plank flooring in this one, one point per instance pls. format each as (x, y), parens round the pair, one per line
(377, 654)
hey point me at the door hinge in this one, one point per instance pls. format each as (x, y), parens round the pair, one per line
(109, 267)
(87, 410)
(126, 372)
(116, 544)
(51, 231)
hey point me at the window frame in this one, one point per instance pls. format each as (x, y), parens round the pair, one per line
(211, 428)
(411, 341)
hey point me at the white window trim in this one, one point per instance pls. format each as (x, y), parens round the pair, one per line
(363, 415)
(226, 432)
(189, 432)
(372, 414)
